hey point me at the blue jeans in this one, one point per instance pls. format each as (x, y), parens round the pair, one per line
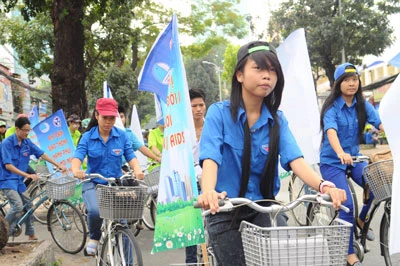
(17, 201)
(224, 235)
(92, 207)
(338, 177)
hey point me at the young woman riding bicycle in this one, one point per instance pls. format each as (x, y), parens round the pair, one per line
(239, 147)
(343, 118)
(104, 145)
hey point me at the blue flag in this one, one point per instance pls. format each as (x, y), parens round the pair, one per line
(34, 116)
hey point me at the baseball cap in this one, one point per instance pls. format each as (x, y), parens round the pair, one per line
(74, 118)
(343, 69)
(107, 107)
(3, 124)
(21, 115)
(252, 47)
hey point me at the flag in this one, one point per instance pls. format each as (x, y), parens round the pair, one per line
(178, 223)
(137, 130)
(107, 94)
(389, 111)
(299, 99)
(34, 116)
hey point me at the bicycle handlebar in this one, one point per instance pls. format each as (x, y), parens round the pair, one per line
(110, 180)
(231, 204)
(360, 158)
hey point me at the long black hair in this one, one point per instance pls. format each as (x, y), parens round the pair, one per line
(93, 121)
(265, 60)
(360, 105)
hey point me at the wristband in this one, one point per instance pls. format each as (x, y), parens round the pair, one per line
(325, 184)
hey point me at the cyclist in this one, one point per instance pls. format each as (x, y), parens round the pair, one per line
(343, 118)
(74, 122)
(156, 141)
(15, 153)
(104, 145)
(239, 147)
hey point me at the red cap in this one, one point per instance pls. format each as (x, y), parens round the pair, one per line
(22, 115)
(107, 107)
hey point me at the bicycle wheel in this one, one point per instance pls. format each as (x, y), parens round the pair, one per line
(297, 189)
(147, 217)
(385, 237)
(319, 215)
(68, 227)
(124, 249)
(40, 214)
(3, 232)
(153, 208)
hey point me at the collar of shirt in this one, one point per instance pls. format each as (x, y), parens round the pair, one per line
(14, 140)
(341, 102)
(264, 118)
(96, 134)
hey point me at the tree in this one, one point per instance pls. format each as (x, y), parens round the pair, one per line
(362, 28)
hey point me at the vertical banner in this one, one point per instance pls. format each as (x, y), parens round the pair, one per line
(34, 116)
(299, 99)
(178, 223)
(389, 112)
(137, 130)
(107, 94)
(55, 140)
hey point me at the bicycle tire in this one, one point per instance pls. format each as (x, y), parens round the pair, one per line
(67, 228)
(153, 209)
(355, 203)
(297, 189)
(3, 232)
(40, 214)
(148, 220)
(120, 234)
(384, 234)
(318, 215)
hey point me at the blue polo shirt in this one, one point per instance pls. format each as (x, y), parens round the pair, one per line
(136, 143)
(222, 141)
(343, 119)
(104, 158)
(19, 156)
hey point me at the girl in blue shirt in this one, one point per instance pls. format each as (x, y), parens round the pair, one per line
(240, 143)
(104, 145)
(343, 118)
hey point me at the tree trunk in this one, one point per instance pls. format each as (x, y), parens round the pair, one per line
(68, 74)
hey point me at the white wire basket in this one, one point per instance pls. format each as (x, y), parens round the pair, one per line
(288, 245)
(152, 179)
(61, 187)
(121, 203)
(379, 176)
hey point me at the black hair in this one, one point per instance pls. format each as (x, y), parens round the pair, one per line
(22, 121)
(121, 109)
(93, 121)
(360, 105)
(197, 93)
(265, 60)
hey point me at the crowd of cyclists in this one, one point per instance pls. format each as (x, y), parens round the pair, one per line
(238, 145)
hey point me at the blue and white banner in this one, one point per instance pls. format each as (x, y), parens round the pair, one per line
(389, 112)
(34, 116)
(55, 140)
(178, 223)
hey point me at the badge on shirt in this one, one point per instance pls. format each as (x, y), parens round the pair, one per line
(265, 147)
(117, 151)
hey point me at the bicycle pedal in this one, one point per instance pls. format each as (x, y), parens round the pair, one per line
(139, 226)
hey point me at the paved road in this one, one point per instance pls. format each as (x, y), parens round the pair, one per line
(177, 257)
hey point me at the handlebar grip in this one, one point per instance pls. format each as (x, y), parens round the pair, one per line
(196, 204)
(327, 197)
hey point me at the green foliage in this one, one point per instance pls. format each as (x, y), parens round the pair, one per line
(230, 58)
(362, 28)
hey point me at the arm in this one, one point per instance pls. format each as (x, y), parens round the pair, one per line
(12, 168)
(333, 139)
(50, 160)
(134, 164)
(149, 154)
(76, 168)
(305, 172)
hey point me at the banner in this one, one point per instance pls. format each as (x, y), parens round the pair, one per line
(137, 130)
(299, 99)
(34, 116)
(107, 94)
(55, 140)
(178, 224)
(389, 112)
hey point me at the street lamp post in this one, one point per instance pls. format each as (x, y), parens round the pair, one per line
(219, 71)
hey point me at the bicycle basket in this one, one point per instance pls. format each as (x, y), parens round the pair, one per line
(379, 177)
(289, 245)
(125, 203)
(152, 179)
(60, 188)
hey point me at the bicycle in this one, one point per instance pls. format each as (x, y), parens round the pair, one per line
(324, 244)
(118, 202)
(64, 221)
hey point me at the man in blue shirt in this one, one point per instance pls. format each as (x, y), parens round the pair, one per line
(15, 153)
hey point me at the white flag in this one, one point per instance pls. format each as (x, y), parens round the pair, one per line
(137, 130)
(107, 94)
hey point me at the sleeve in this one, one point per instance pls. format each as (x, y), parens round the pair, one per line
(330, 119)
(128, 151)
(6, 155)
(212, 136)
(136, 143)
(372, 115)
(82, 148)
(35, 150)
(288, 148)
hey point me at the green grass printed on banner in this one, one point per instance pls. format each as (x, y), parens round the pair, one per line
(178, 228)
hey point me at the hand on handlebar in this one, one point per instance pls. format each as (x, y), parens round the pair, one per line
(338, 196)
(209, 200)
(345, 158)
(80, 174)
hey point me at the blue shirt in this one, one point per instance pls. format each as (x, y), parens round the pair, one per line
(368, 137)
(343, 119)
(222, 141)
(104, 158)
(136, 143)
(17, 155)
